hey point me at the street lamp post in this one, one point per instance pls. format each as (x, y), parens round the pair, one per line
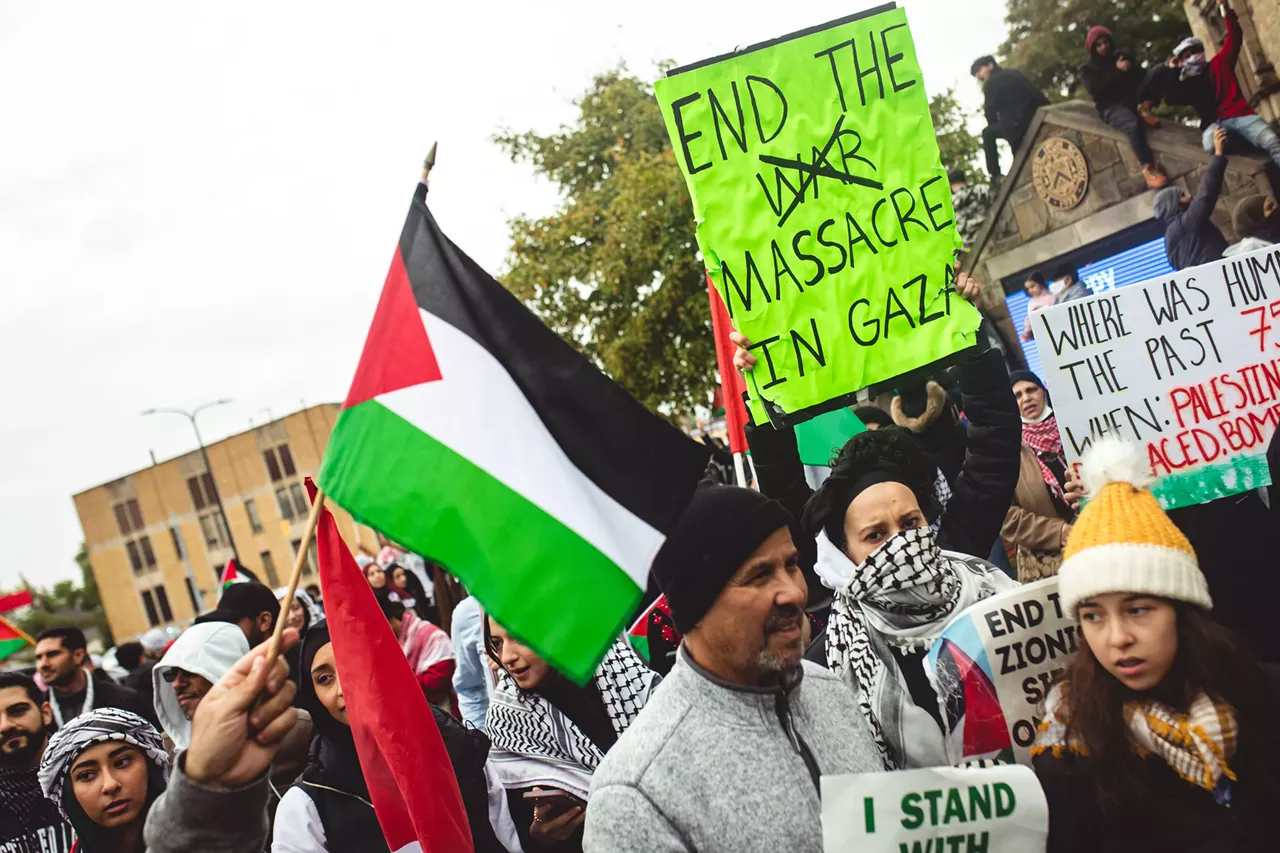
(217, 496)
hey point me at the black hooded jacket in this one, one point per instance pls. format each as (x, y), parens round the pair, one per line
(334, 779)
(1107, 84)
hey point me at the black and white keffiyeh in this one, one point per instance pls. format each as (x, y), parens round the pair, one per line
(900, 599)
(98, 726)
(534, 743)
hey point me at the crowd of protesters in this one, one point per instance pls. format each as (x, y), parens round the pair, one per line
(790, 641)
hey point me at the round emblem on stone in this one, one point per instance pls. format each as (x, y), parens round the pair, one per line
(1060, 173)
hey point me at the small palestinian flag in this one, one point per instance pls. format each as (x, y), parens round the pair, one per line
(12, 638)
(476, 437)
(14, 600)
(230, 575)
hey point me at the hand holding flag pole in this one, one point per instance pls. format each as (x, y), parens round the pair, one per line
(273, 651)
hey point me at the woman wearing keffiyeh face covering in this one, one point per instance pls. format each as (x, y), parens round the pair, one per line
(873, 520)
(1040, 516)
(103, 771)
(895, 585)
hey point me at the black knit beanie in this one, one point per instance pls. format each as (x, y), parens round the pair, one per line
(721, 527)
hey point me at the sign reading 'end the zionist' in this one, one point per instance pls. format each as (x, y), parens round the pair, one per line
(824, 211)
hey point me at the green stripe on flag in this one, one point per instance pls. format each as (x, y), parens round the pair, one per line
(539, 579)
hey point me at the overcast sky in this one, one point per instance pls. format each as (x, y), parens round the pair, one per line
(201, 200)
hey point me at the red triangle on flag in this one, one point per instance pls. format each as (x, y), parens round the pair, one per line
(397, 353)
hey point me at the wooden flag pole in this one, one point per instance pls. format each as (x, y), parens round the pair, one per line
(21, 633)
(273, 651)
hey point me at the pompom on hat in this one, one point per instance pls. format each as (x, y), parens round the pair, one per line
(1123, 541)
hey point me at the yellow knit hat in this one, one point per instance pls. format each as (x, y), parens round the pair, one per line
(1123, 541)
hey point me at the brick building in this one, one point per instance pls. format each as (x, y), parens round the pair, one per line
(136, 527)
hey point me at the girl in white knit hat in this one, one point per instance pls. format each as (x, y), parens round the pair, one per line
(1160, 735)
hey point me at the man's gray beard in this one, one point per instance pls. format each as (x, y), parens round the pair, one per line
(773, 663)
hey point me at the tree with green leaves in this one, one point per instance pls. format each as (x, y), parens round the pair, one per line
(616, 270)
(68, 603)
(959, 148)
(1046, 37)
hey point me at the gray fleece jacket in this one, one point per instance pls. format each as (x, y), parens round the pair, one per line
(710, 766)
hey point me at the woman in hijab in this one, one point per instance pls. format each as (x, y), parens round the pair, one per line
(549, 735)
(900, 567)
(1040, 516)
(303, 613)
(103, 770)
(329, 810)
(413, 595)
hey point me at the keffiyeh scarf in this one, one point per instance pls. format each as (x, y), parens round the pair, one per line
(533, 743)
(424, 644)
(1043, 437)
(900, 599)
(1197, 745)
(84, 731)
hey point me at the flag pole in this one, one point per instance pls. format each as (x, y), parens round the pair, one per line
(739, 470)
(308, 533)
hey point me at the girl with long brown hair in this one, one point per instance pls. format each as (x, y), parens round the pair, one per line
(1157, 736)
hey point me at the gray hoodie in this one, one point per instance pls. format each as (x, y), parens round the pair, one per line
(710, 766)
(1190, 237)
(207, 650)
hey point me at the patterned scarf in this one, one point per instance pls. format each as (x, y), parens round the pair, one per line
(534, 743)
(900, 599)
(1197, 745)
(1043, 437)
(23, 806)
(88, 729)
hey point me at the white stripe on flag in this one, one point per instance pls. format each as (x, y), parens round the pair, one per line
(479, 412)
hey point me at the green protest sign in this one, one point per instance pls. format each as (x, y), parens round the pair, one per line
(823, 209)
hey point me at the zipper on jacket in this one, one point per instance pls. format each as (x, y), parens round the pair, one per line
(783, 707)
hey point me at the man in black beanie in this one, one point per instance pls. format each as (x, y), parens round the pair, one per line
(740, 713)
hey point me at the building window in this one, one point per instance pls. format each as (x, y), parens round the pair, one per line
(300, 505)
(286, 460)
(202, 491)
(214, 528)
(149, 604)
(162, 599)
(308, 565)
(269, 566)
(148, 556)
(251, 510)
(279, 463)
(135, 557)
(273, 467)
(128, 516)
(286, 508)
(194, 596)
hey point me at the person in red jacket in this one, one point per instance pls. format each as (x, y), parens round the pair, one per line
(428, 650)
(1210, 86)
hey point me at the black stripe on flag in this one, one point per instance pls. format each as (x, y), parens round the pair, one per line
(644, 463)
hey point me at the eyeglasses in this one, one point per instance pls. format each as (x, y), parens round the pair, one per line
(171, 673)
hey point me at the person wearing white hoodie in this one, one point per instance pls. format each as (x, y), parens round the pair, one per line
(193, 664)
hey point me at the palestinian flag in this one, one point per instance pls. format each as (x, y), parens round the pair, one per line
(732, 385)
(231, 574)
(476, 437)
(12, 638)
